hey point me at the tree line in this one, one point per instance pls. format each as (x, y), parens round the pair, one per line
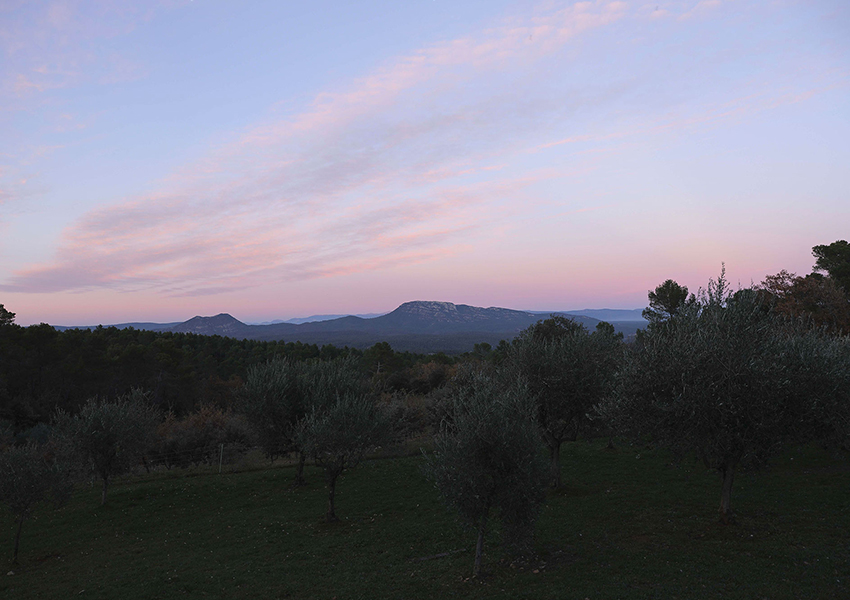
(42, 369)
(728, 377)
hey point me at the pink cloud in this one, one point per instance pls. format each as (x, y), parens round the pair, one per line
(342, 184)
(176, 247)
(515, 41)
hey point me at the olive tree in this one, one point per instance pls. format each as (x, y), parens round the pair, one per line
(274, 404)
(730, 380)
(568, 371)
(107, 438)
(488, 457)
(338, 433)
(279, 394)
(27, 478)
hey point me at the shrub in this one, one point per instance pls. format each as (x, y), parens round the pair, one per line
(198, 437)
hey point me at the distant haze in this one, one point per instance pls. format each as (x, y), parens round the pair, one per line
(316, 318)
(606, 314)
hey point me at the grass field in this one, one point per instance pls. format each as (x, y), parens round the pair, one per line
(628, 524)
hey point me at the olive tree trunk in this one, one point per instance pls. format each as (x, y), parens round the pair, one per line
(331, 516)
(18, 538)
(299, 473)
(479, 546)
(555, 465)
(727, 472)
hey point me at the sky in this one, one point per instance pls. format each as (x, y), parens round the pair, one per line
(166, 159)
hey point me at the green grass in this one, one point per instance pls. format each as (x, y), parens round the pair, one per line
(622, 527)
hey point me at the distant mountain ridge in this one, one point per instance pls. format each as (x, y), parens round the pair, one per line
(604, 314)
(314, 318)
(420, 326)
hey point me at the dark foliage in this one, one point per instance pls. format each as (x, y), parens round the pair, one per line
(198, 437)
(42, 369)
(834, 259)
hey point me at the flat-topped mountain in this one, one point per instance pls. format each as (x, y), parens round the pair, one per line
(419, 326)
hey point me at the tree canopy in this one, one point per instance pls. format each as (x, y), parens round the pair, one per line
(834, 259)
(666, 301)
(813, 298)
(567, 370)
(6, 317)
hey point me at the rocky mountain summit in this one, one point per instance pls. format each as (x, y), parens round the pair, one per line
(444, 317)
(446, 312)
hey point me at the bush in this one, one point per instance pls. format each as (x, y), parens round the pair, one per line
(198, 437)
(408, 415)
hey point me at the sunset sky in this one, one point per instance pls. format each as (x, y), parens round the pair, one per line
(160, 160)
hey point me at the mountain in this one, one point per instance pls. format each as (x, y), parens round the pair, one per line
(445, 317)
(420, 326)
(221, 324)
(315, 318)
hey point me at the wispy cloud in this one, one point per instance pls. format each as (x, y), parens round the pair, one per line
(702, 117)
(371, 175)
(700, 8)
